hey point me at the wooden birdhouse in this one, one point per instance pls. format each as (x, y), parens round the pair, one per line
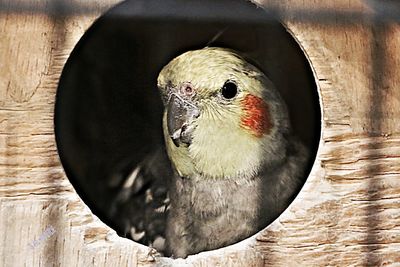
(79, 108)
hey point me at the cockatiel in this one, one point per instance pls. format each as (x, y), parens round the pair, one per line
(227, 134)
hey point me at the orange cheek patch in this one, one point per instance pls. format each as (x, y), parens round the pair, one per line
(256, 115)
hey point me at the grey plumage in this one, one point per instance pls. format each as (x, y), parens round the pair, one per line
(209, 214)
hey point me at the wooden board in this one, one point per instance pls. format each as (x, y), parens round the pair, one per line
(347, 214)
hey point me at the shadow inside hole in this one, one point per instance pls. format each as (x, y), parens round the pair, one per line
(108, 110)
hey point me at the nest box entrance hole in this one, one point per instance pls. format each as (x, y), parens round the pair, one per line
(109, 112)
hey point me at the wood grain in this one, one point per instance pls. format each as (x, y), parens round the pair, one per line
(347, 214)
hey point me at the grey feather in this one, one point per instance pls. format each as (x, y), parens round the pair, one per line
(209, 214)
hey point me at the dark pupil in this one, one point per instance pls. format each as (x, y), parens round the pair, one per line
(229, 90)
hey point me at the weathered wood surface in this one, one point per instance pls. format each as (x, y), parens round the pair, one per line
(347, 214)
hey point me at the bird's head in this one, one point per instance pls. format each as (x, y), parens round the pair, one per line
(223, 117)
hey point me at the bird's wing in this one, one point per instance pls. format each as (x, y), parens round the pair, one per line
(283, 183)
(142, 202)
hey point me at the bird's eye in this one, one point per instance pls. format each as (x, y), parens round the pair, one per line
(229, 90)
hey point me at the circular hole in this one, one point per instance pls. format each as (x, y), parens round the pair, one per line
(187, 89)
(108, 116)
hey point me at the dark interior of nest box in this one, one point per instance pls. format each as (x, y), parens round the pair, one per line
(108, 110)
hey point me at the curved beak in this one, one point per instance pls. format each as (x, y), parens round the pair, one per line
(180, 115)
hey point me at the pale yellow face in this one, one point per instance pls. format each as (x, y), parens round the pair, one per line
(222, 146)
